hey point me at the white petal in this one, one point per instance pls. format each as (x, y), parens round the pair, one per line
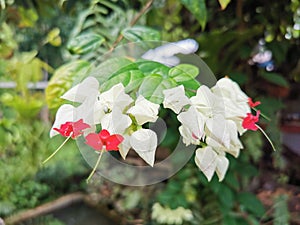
(217, 128)
(86, 89)
(206, 160)
(125, 146)
(116, 97)
(227, 88)
(144, 142)
(207, 103)
(222, 166)
(144, 111)
(193, 123)
(115, 122)
(64, 114)
(175, 99)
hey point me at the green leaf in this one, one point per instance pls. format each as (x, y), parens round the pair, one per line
(183, 72)
(153, 85)
(275, 78)
(281, 211)
(251, 203)
(150, 67)
(226, 196)
(198, 9)
(190, 86)
(224, 3)
(131, 79)
(63, 79)
(85, 43)
(105, 70)
(141, 33)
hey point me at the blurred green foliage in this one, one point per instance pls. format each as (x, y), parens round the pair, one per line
(70, 36)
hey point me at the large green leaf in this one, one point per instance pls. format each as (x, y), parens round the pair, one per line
(183, 72)
(251, 203)
(153, 85)
(85, 43)
(108, 68)
(275, 78)
(198, 9)
(131, 79)
(63, 79)
(150, 67)
(141, 33)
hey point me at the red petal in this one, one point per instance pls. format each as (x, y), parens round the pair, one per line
(94, 141)
(250, 120)
(104, 134)
(253, 104)
(113, 141)
(78, 127)
(65, 129)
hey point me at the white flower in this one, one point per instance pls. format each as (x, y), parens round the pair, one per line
(144, 111)
(144, 142)
(175, 98)
(224, 137)
(115, 122)
(210, 162)
(165, 215)
(88, 88)
(206, 102)
(64, 114)
(192, 128)
(87, 94)
(115, 97)
(234, 99)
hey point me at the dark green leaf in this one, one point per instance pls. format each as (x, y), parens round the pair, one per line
(275, 78)
(251, 203)
(198, 9)
(85, 43)
(150, 67)
(141, 33)
(226, 196)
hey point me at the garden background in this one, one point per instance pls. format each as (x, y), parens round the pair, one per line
(44, 47)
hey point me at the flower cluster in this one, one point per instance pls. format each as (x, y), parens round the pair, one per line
(213, 118)
(116, 112)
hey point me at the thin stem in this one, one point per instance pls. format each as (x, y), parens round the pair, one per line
(133, 22)
(264, 133)
(263, 115)
(95, 167)
(46, 160)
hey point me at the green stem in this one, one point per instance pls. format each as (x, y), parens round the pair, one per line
(95, 167)
(263, 115)
(264, 133)
(46, 160)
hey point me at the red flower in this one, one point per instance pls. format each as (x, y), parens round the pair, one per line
(250, 120)
(97, 141)
(72, 128)
(253, 104)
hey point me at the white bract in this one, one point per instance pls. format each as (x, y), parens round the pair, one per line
(192, 128)
(144, 111)
(175, 98)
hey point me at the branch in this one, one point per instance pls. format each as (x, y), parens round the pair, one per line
(133, 22)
